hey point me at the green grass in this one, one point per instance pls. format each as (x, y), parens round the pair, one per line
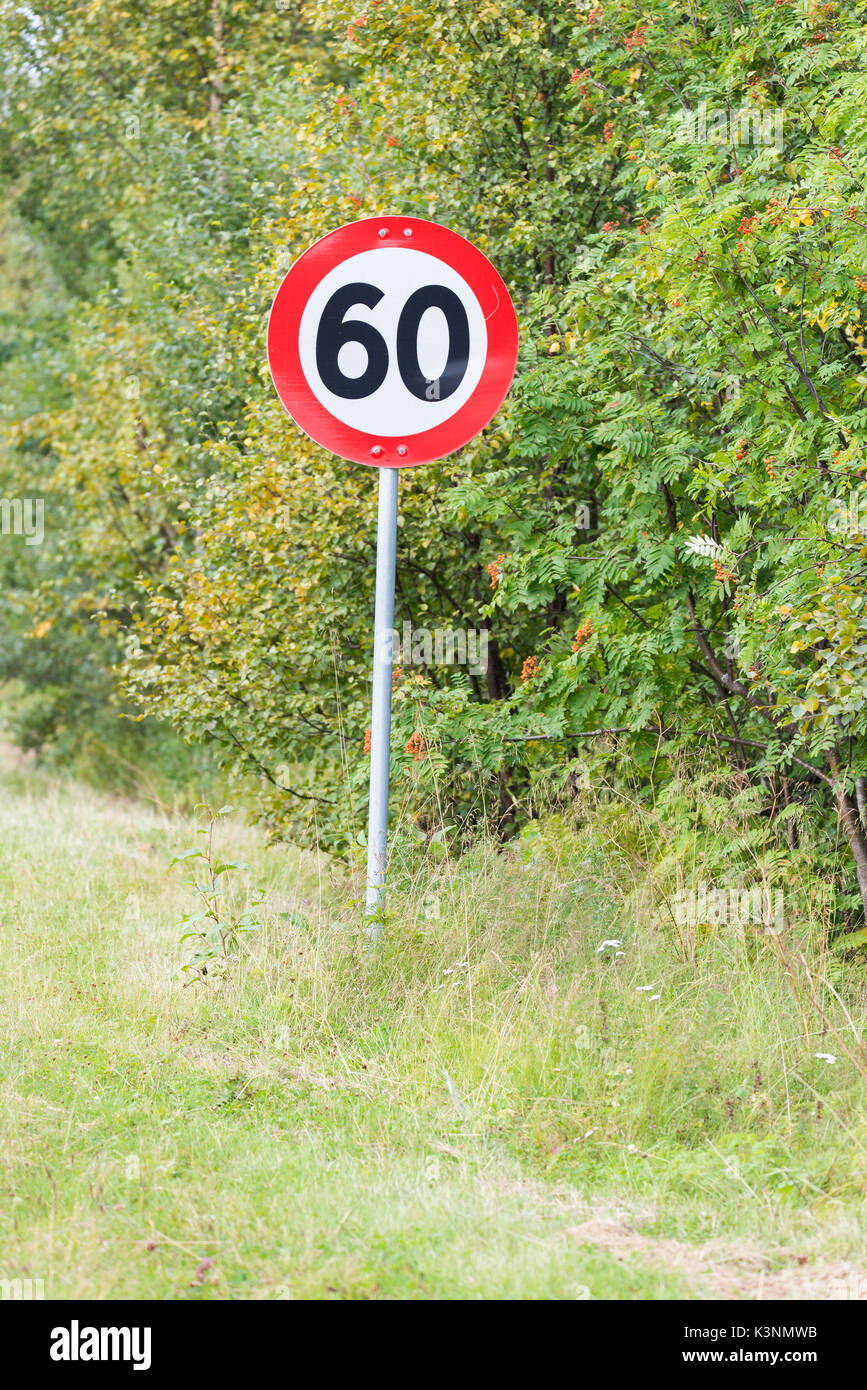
(491, 1110)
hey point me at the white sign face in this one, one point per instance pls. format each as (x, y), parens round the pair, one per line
(393, 341)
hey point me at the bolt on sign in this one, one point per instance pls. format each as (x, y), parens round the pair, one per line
(391, 342)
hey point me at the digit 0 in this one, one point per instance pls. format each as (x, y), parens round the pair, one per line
(453, 373)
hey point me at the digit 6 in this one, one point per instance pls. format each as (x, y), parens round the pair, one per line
(333, 333)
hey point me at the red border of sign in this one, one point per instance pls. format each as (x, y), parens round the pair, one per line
(284, 321)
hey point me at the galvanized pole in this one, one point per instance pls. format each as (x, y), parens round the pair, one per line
(380, 721)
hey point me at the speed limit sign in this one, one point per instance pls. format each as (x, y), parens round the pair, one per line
(392, 341)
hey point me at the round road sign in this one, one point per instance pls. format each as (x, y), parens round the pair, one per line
(392, 341)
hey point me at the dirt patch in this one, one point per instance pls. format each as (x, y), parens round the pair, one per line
(14, 759)
(719, 1269)
(253, 1069)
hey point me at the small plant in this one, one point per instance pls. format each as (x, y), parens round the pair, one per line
(217, 928)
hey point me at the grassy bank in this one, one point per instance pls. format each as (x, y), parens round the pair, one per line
(497, 1108)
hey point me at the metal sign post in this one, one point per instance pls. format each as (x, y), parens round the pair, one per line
(380, 719)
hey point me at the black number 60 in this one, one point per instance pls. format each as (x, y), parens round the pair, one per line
(335, 331)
